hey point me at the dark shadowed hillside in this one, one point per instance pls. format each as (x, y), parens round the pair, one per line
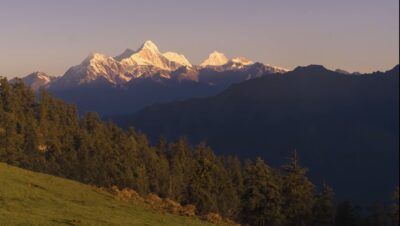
(109, 99)
(106, 99)
(345, 127)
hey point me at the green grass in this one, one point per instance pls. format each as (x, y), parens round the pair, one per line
(30, 198)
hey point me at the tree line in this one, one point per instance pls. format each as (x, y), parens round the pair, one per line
(47, 135)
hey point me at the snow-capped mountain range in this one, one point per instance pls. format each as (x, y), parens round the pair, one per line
(138, 78)
(146, 62)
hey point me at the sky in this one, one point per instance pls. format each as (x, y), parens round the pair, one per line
(53, 35)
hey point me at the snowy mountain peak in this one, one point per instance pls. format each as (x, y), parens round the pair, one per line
(149, 45)
(37, 80)
(178, 58)
(149, 55)
(39, 75)
(276, 69)
(147, 62)
(215, 59)
(95, 57)
(95, 66)
(242, 60)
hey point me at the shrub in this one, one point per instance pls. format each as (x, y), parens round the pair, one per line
(171, 206)
(189, 210)
(214, 218)
(130, 194)
(154, 200)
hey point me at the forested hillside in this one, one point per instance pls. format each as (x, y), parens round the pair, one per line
(49, 136)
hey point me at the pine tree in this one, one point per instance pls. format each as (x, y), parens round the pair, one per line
(234, 169)
(141, 179)
(324, 210)
(181, 167)
(298, 193)
(234, 174)
(202, 189)
(157, 168)
(261, 199)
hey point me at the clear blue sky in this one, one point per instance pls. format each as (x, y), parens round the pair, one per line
(52, 35)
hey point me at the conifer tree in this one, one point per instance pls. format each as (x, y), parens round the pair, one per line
(202, 187)
(234, 174)
(261, 199)
(181, 167)
(324, 210)
(298, 193)
(234, 169)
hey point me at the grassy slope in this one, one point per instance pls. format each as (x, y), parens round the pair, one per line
(30, 198)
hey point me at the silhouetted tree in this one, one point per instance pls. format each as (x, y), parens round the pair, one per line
(324, 209)
(298, 193)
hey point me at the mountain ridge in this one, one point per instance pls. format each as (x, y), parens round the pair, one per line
(146, 62)
(328, 117)
(135, 79)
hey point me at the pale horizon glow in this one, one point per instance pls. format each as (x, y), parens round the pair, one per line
(51, 36)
